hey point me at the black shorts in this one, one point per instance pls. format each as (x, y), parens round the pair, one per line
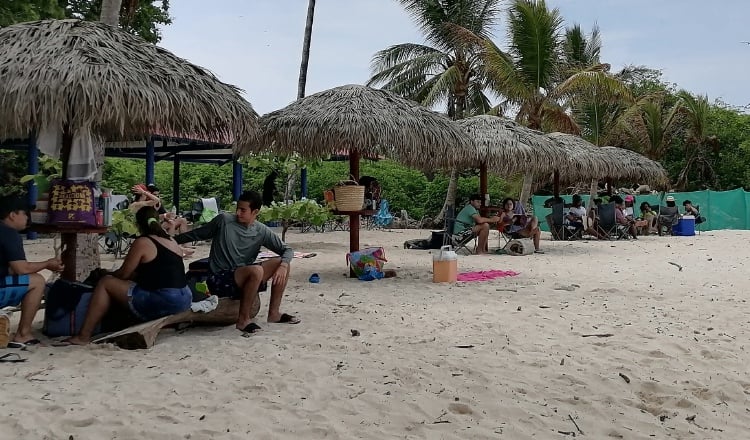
(223, 285)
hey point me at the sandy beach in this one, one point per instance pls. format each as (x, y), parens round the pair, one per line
(592, 339)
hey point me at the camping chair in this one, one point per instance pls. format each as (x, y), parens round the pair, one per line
(383, 218)
(608, 222)
(558, 227)
(461, 240)
(668, 217)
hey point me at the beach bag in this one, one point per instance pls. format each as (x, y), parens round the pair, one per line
(66, 305)
(363, 261)
(197, 275)
(72, 203)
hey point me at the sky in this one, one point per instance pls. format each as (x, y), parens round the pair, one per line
(256, 45)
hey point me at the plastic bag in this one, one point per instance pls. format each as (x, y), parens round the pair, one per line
(361, 260)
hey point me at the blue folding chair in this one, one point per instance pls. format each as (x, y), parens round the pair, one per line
(383, 218)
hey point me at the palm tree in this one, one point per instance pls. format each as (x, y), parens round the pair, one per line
(301, 85)
(650, 126)
(698, 143)
(110, 12)
(445, 70)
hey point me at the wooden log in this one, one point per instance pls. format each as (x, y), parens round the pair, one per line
(144, 335)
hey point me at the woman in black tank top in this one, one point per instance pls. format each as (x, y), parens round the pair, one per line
(151, 281)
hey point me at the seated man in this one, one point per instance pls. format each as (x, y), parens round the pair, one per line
(469, 217)
(692, 210)
(576, 217)
(622, 219)
(233, 270)
(668, 216)
(20, 281)
(514, 220)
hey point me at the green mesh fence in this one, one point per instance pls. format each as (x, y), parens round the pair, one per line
(722, 209)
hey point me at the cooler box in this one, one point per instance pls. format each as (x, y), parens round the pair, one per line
(685, 226)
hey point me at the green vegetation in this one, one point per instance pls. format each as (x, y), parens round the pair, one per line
(305, 211)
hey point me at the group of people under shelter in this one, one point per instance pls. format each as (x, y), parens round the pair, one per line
(512, 220)
(151, 282)
(648, 222)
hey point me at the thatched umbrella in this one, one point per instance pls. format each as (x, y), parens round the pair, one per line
(506, 147)
(77, 76)
(364, 121)
(637, 168)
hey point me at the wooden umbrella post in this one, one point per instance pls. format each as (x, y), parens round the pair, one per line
(483, 183)
(354, 216)
(556, 184)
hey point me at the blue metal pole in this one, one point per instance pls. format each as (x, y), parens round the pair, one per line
(33, 169)
(176, 182)
(303, 182)
(236, 179)
(150, 160)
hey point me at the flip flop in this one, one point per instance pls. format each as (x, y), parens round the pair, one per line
(538, 251)
(314, 278)
(251, 328)
(288, 319)
(12, 357)
(23, 345)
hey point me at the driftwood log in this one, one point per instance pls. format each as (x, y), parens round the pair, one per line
(144, 335)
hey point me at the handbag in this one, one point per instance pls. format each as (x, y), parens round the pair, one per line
(365, 260)
(72, 203)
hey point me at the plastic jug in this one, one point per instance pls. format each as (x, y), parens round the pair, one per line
(444, 265)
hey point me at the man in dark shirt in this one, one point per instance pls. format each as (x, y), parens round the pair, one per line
(236, 241)
(20, 282)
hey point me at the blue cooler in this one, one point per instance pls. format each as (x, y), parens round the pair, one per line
(685, 226)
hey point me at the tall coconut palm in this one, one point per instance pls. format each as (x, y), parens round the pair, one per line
(301, 85)
(445, 70)
(698, 143)
(650, 126)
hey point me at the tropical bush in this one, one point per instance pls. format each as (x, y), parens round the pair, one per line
(305, 211)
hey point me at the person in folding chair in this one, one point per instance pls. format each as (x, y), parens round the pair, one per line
(515, 222)
(576, 218)
(621, 219)
(469, 218)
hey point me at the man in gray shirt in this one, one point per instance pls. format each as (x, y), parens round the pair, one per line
(237, 239)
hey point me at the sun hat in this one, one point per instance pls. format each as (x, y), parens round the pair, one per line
(629, 198)
(670, 198)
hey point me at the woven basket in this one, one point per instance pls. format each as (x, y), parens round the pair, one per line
(349, 197)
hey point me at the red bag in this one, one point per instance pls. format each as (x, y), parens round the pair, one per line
(72, 203)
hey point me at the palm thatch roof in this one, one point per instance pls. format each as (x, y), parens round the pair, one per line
(507, 147)
(374, 122)
(637, 168)
(584, 160)
(87, 75)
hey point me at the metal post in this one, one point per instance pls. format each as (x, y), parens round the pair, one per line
(176, 182)
(150, 160)
(303, 182)
(236, 179)
(33, 168)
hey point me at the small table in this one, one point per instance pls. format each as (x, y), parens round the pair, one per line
(354, 229)
(68, 235)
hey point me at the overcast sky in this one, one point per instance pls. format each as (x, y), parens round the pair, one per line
(257, 44)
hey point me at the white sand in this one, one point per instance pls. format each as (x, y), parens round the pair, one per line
(679, 336)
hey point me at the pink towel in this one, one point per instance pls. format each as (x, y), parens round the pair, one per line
(485, 275)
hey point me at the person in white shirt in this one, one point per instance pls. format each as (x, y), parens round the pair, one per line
(577, 218)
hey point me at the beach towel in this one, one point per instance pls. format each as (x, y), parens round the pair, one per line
(485, 275)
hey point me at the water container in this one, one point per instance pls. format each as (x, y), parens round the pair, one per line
(444, 265)
(106, 207)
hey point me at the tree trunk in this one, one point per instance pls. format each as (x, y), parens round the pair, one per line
(302, 83)
(450, 199)
(528, 181)
(306, 50)
(110, 12)
(450, 196)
